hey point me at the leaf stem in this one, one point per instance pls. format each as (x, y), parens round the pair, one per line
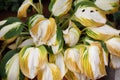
(41, 7)
(35, 8)
(25, 33)
(63, 25)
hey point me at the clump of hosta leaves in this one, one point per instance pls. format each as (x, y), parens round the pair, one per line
(74, 42)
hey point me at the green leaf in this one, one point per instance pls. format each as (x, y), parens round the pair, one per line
(21, 76)
(12, 27)
(5, 60)
(117, 15)
(14, 32)
(51, 5)
(93, 0)
(23, 50)
(84, 4)
(117, 19)
(104, 46)
(87, 40)
(43, 49)
(10, 20)
(92, 34)
(79, 25)
(49, 49)
(33, 19)
(30, 20)
(60, 37)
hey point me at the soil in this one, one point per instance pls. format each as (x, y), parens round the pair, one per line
(6, 14)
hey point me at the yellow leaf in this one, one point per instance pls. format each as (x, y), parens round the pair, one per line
(22, 11)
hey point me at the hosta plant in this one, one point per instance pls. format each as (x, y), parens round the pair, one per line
(75, 42)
